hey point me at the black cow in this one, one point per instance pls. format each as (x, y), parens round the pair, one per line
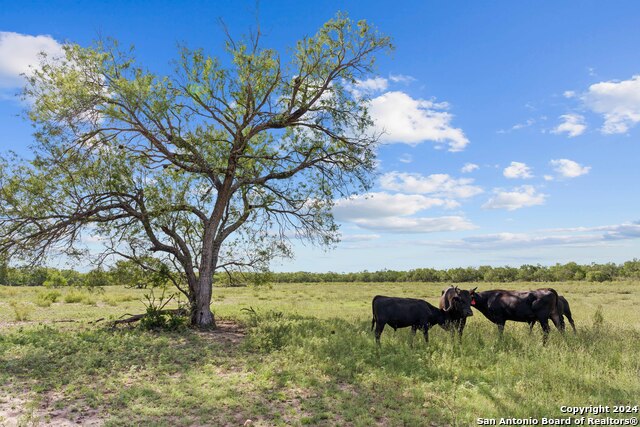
(563, 310)
(519, 306)
(404, 312)
(457, 304)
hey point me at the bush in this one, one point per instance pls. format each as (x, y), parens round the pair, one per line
(157, 319)
(74, 297)
(21, 311)
(598, 276)
(45, 299)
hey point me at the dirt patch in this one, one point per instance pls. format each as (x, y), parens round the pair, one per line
(226, 332)
(50, 411)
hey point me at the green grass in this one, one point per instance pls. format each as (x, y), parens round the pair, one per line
(309, 359)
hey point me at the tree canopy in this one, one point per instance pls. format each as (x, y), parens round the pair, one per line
(214, 167)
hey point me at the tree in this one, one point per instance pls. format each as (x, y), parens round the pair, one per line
(4, 272)
(212, 168)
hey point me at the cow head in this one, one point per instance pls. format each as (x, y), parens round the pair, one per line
(473, 295)
(457, 301)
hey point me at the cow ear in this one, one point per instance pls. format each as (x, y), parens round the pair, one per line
(473, 291)
(456, 289)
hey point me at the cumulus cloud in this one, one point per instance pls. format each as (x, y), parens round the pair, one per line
(572, 124)
(403, 119)
(381, 204)
(517, 198)
(368, 86)
(442, 185)
(517, 170)
(392, 213)
(568, 168)
(617, 101)
(19, 52)
(469, 167)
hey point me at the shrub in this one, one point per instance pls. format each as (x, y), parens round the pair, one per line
(598, 276)
(45, 299)
(155, 318)
(73, 297)
(21, 311)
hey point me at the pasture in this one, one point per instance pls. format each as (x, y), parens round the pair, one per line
(305, 355)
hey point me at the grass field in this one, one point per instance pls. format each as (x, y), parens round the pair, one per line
(305, 356)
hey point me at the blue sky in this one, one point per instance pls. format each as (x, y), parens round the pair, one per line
(540, 100)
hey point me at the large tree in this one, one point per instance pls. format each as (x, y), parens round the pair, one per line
(214, 167)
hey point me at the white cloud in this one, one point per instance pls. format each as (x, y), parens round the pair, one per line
(577, 236)
(359, 237)
(519, 197)
(20, 51)
(627, 230)
(617, 101)
(517, 170)
(368, 86)
(441, 185)
(568, 168)
(518, 126)
(416, 225)
(406, 158)
(401, 78)
(469, 167)
(402, 119)
(526, 124)
(548, 177)
(391, 213)
(381, 204)
(573, 125)
(569, 94)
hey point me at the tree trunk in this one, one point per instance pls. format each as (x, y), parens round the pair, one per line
(201, 315)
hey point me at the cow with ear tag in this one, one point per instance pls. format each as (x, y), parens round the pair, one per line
(538, 305)
(457, 305)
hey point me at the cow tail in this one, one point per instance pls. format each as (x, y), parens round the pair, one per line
(373, 310)
(555, 306)
(558, 312)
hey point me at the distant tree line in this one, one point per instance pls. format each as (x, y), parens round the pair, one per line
(525, 273)
(125, 273)
(128, 273)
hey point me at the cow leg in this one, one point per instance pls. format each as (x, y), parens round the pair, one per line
(500, 329)
(531, 325)
(558, 321)
(545, 330)
(461, 325)
(379, 329)
(413, 335)
(568, 314)
(573, 325)
(452, 326)
(426, 333)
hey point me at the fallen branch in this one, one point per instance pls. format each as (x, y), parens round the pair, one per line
(137, 317)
